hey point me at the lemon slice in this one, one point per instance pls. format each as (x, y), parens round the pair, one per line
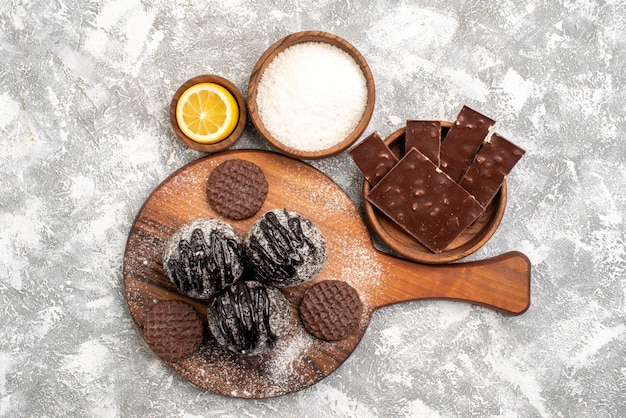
(207, 113)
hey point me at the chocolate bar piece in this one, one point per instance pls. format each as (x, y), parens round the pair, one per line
(424, 201)
(373, 157)
(492, 163)
(463, 141)
(425, 136)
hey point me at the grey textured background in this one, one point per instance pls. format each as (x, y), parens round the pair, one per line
(85, 137)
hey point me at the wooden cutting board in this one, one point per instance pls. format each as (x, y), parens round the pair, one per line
(299, 360)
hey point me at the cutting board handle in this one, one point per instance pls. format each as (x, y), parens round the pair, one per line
(501, 282)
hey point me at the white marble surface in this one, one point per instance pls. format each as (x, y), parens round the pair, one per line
(85, 137)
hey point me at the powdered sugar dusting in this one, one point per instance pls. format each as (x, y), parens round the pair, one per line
(289, 352)
(274, 373)
(362, 271)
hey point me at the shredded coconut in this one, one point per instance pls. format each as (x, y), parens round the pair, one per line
(312, 96)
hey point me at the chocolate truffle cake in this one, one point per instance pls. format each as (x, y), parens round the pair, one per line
(203, 257)
(285, 248)
(248, 317)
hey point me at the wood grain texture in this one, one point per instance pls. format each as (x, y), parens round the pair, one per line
(271, 53)
(469, 241)
(299, 360)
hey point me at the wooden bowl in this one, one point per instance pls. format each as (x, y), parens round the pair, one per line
(229, 140)
(271, 53)
(470, 240)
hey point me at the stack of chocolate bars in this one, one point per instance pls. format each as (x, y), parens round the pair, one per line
(442, 184)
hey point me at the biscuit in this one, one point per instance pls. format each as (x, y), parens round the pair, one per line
(173, 330)
(236, 189)
(330, 310)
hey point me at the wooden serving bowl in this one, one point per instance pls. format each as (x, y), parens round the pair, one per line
(470, 240)
(229, 140)
(271, 53)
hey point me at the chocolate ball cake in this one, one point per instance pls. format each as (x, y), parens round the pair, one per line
(248, 317)
(285, 248)
(204, 257)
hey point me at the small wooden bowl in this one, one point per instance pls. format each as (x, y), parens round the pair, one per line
(470, 240)
(229, 140)
(271, 53)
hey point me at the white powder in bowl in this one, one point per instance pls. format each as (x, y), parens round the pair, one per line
(312, 96)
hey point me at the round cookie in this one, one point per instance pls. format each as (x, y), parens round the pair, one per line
(173, 330)
(285, 248)
(248, 317)
(330, 310)
(236, 189)
(203, 257)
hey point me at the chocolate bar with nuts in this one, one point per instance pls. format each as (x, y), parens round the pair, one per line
(373, 157)
(463, 141)
(493, 162)
(425, 136)
(425, 201)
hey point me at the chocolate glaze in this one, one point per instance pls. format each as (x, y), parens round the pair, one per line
(200, 262)
(279, 250)
(242, 314)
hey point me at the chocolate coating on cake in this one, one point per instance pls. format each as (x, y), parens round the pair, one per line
(236, 189)
(330, 310)
(204, 257)
(248, 317)
(173, 330)
(285, 248)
